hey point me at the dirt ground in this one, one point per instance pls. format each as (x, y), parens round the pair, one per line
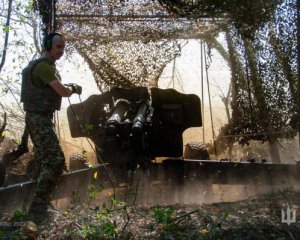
(255, 218)
(259, 217)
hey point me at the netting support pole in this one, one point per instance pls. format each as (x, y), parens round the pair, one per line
(298, 59)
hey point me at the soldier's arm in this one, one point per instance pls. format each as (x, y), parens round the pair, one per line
(60, 89)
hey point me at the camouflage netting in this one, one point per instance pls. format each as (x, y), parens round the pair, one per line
(129, 42)
(128, 64)
(125, 43)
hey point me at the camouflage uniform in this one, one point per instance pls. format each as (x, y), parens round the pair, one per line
(49, 152)
(40, 101)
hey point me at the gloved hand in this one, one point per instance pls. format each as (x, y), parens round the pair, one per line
(75, 88)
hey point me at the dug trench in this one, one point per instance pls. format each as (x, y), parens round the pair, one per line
(168, 182)
(163, 208)
(198, 202)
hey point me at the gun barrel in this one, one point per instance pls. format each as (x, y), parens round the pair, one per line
(140, 117)
(118, 116)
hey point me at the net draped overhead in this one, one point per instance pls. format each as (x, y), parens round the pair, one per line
(125, 43)
(129, 43)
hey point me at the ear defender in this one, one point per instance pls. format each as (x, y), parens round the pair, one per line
(47, 43)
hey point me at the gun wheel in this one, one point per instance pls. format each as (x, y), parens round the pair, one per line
(77, 161)
(196, 150)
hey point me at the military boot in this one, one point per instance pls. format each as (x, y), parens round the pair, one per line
(40, 213)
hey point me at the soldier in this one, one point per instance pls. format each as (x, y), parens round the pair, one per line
(41, 94)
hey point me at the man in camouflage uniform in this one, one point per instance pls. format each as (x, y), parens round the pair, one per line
(41, 94)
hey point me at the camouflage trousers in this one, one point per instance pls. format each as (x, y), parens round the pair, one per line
(48, 152)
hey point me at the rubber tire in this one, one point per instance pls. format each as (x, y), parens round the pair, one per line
(196, 150)
(2, 173)
(77, 161)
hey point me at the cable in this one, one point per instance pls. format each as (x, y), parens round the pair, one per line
(110, 177)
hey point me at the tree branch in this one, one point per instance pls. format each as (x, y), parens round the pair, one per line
(6, 35)
(3, 127)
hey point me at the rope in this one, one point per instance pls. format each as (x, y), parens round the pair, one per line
(209, 101)
(202, 90)
(173, 73)
(179, 79)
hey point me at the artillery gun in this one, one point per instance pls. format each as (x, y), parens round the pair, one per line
(131, 128)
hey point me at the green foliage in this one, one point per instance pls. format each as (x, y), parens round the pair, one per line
(101, 231)
(15, 235)
(117, 203)
(103, 215)
(108, 229)
(31, 4)
(20, 215)
(104, 228)
(11, 228)
(163, 215)
(94, 190)
(5, 29)
(163, 219)
(89, 127)
(169, 228)
(90, 232)
(22, 26)
(214, 228)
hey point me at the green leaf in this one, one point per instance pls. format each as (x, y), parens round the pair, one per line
(6, 29)
(89, 127)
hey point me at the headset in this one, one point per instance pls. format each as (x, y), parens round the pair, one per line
(47, 42)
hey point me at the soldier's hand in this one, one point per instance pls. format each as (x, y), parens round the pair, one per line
(75, 88)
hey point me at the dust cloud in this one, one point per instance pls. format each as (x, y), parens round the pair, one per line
(149, 189)
(154, 189)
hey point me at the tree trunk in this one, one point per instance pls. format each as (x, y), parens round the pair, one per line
(237, 71)
(283, 60)
(274, 152)
(258, 93)
(6, 35)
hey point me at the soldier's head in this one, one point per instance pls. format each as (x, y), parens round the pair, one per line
(54, 45)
